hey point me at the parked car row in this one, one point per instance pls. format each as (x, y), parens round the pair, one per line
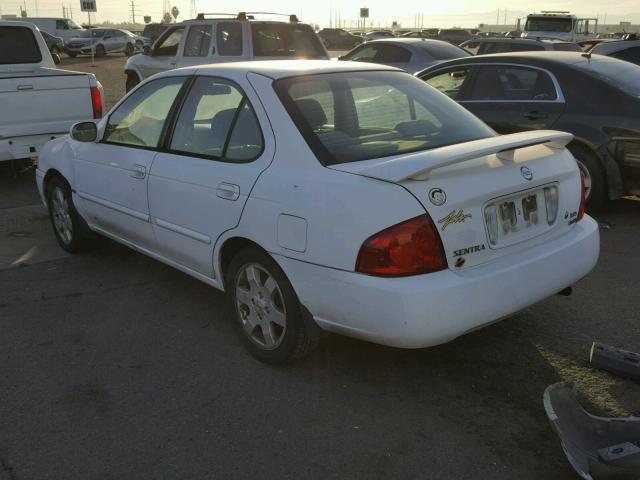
(298, 186)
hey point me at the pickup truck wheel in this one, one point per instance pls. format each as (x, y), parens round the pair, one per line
(132, 81)
(128, 51)
(266, 307)
(100, 51)
(68, 226)
(595, 184)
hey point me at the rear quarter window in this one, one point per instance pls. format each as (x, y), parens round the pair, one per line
(285, 40)
(18, 45)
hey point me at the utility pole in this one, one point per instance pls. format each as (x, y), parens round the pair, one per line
(64, 12)
(133, 12)
(71, 12)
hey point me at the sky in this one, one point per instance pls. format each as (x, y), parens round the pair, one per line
(464, 13)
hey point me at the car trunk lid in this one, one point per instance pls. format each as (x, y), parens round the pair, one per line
(488, 197)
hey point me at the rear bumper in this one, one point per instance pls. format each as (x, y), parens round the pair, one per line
(27, 146)
(426, 310)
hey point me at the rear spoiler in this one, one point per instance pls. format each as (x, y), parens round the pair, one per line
(417, 166)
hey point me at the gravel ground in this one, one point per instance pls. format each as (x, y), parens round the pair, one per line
(116, 366)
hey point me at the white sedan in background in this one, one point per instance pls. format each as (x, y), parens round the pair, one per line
(336, 196)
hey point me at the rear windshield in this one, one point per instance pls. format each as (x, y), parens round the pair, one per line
(548, 24)
(444, 51)
(567, 47)
(617, 73)
(286, 40)
(352, 116)
(18, 45)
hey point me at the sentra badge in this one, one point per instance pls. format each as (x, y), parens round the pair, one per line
(454, 217)
(469, 250)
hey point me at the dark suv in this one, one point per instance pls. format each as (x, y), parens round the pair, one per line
(338, 38)
(454, 35)
(482, 46)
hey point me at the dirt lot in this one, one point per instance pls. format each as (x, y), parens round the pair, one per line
(116, 366)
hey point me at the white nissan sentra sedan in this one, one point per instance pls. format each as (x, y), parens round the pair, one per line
(326, 196)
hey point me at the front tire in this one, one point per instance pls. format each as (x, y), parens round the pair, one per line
(267, 310)
(100, 51)
(68, 226)
(55, 50)
(72, 54)
(595, 183)
(128, 51)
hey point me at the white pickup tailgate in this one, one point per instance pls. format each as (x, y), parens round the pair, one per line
(42, 101)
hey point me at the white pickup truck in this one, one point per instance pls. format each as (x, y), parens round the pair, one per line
(38, 102)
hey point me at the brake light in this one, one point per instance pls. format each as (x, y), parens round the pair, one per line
(583, 201)
(96, 102)
(408, 248)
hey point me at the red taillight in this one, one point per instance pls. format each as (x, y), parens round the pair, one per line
(583, 201)
(96, 102)
(409, 248)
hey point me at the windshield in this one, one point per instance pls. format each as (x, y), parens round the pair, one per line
(548, 24)
(73, 25)
(92, 33)
(285, 40)
(619, 74)
(444, 50)
(352, 116)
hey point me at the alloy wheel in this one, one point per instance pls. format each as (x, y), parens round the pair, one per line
(61, 215)
(260, 306)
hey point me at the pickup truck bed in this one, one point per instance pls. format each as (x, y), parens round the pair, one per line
(40, 102)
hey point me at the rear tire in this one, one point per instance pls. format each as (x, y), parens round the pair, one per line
(131, 82)
(267, 310)
(128, 51)
(68, 227)
(72, 54)
(594, 177)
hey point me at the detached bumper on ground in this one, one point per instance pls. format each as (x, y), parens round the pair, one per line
(427, 310)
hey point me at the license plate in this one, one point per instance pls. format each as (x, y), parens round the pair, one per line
(517, 217)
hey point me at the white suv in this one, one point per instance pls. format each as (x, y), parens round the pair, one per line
(216, 40)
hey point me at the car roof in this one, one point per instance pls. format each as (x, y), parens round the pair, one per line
(418, 42)
(277, 69)
(551, 41)
(614, 46)
(546, 58)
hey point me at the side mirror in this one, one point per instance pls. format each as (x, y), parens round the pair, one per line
(146, 50)
(84, 132)
(56, 58)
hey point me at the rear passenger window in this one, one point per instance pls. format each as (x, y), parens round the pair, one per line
(18, 45)
(229, 38)
(217, 121)
(61, 25)
(508, 83)
(198, 41)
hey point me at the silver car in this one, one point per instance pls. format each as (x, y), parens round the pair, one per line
(102, 41)
(410, 54)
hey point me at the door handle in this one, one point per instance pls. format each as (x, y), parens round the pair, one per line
(534, 115)
(228, 191)
(139, 171)
(25, 87)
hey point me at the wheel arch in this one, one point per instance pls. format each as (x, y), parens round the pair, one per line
(610, 168)
(228, 249)
(50, 175)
